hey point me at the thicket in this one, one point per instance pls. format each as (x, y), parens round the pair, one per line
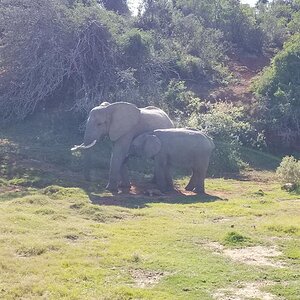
(289, 170)
(76, 54)
(278, 91)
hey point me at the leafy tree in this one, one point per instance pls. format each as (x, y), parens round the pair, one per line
(118, 6)
(279, 93)
(193, 51)
(237, 22)
(228, 125)
(289, 170)
(53, 54)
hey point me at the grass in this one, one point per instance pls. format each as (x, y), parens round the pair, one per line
(234, 239)
(57, 244)
(62, 237)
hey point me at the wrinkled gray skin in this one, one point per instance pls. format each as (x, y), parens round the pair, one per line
(122, 122)
(187, 148)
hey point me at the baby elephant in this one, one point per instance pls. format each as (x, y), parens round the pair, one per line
(182, 147)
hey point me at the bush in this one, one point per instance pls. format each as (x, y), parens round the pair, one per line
(228, 126)
(235, 239)
(273, 19)
(279, 93)
(178, 101)
(192, 50)
(236, 22)
(289, 170)
(68, 55)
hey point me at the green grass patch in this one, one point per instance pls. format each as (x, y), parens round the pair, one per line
(235, 239)
(56, 192)
(143, 247)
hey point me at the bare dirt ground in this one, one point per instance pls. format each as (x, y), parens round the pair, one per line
(256, 255)
(145, 278)
(244, 68)
(251, 290)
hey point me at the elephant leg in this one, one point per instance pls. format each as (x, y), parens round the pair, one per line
(159, 173)
(201, 174)
(168, 178)
(153, 179)
(119, 154)
(199, 186)
(125, 182)
(87, 164)
(192, 183)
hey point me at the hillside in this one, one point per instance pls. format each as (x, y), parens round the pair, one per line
(244, 68)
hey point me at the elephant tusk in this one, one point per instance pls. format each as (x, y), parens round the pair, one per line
(90, 145)
(82, 146)
(76, 147)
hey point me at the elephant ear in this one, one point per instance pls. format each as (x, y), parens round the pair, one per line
(152, 146)
(104, 104)
(123, 117)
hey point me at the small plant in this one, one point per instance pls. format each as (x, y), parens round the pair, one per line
(55, 192)
(289, 170)
(31, 251)
(136, 257)
(233, 239)
(284, 229)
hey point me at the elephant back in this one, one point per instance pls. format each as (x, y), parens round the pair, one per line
(153, 118)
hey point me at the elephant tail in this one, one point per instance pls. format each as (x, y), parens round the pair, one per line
(212, 143)
(210, 139)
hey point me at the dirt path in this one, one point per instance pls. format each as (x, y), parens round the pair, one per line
(244, 68)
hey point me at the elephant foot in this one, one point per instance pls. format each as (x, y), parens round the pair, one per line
(113, 188)
(126, 185)
(153, 180)
(189, 188)
(199, 191)
(167, 189)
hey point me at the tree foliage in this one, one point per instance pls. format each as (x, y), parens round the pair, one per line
(118, 6)
(279, 92)
(73, 54)
(289, 170)
(52, 53)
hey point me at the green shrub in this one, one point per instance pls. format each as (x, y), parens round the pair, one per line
(228, 125)
(279, 93)
(289, 170)
(234, 239)
(68, 55)
(178, 100)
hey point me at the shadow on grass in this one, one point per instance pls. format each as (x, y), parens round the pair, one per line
(132, 200)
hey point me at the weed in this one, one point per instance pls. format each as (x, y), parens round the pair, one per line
(284, 229)
(45, 211)
(31, 251)
(235, 239)
(136, 257)
(56, 192)
(34, 200)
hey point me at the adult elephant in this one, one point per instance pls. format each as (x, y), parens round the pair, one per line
(122, 122)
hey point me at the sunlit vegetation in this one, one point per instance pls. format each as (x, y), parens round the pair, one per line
(220, 66)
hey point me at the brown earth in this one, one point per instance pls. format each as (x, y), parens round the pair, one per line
(244, 68)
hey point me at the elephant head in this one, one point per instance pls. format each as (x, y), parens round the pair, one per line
(114, 120)
(146, 145)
